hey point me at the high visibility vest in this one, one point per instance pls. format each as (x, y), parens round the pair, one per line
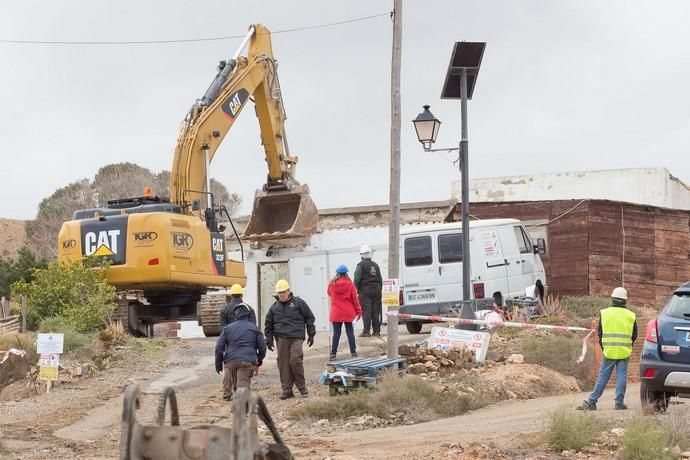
(616, 332)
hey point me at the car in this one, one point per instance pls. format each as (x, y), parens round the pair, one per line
(665, 358)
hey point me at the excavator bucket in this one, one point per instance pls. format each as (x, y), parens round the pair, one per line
(282, 214)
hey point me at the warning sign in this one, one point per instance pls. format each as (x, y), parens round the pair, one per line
(391, 293)
(443, 338)
(49, 364)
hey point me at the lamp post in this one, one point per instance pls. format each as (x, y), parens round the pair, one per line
(460, 79)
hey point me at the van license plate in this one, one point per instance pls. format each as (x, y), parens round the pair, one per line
(421, 296)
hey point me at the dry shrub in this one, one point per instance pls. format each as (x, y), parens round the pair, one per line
(585, 307)
(113, 335)
(550, 306)
(409, 396)
(20, 342)
(646, 439)
(542, 350)
(570, 430)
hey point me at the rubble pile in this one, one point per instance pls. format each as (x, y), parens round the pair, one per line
(427, 362)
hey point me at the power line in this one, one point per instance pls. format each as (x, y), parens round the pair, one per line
(189, 40)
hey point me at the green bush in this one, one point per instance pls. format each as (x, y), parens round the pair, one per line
(540, 350)
(19, 269)
(570, 430)
(645, 439)
(78, 292)
(585, 307)
(410, 396)
(72, 340)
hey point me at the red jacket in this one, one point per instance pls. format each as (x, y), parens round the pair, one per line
(344, 302)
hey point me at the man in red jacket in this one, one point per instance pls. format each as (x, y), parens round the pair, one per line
(345, 309)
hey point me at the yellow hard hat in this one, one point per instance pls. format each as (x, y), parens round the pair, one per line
(282, 286)
(236, 289)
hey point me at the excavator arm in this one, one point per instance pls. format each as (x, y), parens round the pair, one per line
(283, 208)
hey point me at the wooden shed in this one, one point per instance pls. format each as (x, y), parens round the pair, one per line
(596, 245)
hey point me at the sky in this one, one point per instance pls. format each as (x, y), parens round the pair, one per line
(565, 85)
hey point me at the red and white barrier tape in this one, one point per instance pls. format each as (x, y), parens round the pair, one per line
(500, 323)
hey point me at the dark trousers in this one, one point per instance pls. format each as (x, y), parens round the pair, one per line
(236, 374)
(371, 310)
(290, 363)
(349, 330)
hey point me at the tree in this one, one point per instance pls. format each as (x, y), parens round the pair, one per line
(42, 232)
(121, 180)
(78, 292)
(19, 269)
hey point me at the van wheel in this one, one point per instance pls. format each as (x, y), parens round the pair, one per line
(654, 400)
(414, 327)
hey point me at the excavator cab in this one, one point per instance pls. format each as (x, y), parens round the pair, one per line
(282, 214)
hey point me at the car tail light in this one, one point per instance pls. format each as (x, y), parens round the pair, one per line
(154, 261)
(651, 335)
(650, 373)
(478, 289)
(401, 297)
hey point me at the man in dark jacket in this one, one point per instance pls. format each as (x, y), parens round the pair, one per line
(369, 284)
(236, 304)
(240, 349)
(286, 320)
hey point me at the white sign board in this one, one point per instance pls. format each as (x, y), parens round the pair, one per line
(444, 338)
(50, 343)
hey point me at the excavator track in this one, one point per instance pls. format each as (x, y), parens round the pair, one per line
(209, 314)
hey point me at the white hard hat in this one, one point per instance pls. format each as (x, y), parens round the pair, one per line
(620, 293)
(364, 250)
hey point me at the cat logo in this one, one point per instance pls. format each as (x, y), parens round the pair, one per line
(103, 243)
(182, 241)
(218, 244)
(68, 244)
(232, 105)
(145, 236)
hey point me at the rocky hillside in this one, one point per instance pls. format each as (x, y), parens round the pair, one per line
(12, 236)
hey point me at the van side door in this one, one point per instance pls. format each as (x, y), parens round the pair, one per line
(513, 268)
(449, 256)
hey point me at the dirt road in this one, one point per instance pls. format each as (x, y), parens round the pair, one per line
(81, 419)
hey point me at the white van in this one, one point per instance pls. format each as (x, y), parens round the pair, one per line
(504, 261)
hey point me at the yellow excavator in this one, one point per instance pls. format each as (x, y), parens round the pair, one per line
(166, 254)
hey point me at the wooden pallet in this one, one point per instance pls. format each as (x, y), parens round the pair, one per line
(365, 372)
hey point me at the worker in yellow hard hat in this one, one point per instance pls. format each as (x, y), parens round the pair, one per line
(286, 321)
(235, 304)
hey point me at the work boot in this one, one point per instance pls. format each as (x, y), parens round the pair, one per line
(586, 406)
(376, 334)
(303, 391)
(620, 406)
(354, 355)
(286, 395)
(332, 356)
(365, 334)
(227, 397)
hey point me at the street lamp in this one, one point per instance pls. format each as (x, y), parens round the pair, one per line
(459, 84)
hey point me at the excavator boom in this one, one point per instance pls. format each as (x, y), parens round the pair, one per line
(283, 208)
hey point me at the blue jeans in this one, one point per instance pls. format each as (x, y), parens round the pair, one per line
(607, 366)
(349, 330)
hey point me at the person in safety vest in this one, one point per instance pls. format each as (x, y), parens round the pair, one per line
(235, 307)
(369, 284)
(617, 333)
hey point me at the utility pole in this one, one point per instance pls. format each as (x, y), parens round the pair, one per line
(394, 201)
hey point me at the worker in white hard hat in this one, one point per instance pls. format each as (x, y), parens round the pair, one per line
(369, 284)
(617, 332)
(235, 306)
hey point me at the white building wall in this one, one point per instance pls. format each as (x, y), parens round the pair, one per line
(311, 267)
(651, 186)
